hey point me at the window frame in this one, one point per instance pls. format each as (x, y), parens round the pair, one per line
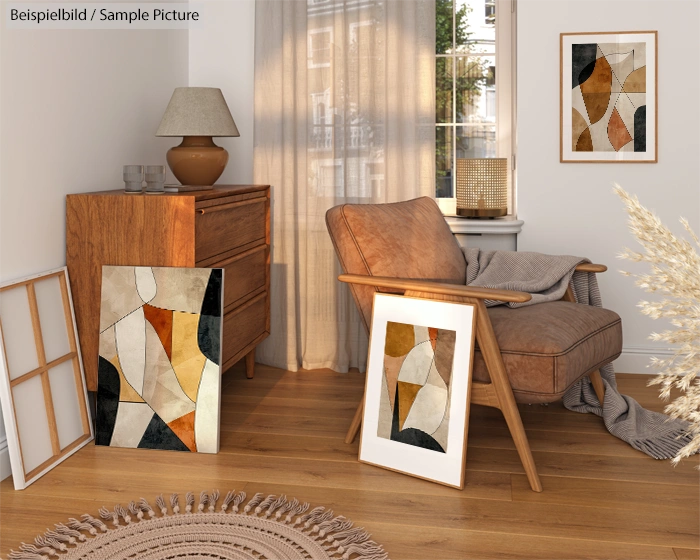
(505, 101)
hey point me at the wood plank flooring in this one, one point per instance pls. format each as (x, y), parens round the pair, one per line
(282, 433)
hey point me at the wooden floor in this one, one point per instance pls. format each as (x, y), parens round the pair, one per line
(282, 432)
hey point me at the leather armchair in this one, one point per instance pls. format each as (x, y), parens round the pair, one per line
(530, 354)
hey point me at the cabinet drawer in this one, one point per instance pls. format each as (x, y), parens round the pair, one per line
(243, 325)
(221, 228)
(243, 274)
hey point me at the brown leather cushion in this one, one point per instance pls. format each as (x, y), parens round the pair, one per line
(547, 347)
(402, 240)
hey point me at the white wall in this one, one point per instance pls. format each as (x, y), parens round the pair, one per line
(75, 106)
(222, 55)
(569, 207)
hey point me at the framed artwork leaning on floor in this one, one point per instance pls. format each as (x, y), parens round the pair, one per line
(416, 409)
(609, 97)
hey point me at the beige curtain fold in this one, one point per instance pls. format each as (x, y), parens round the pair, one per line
(344, 112)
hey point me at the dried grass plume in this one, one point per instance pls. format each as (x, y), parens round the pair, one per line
(675, 276)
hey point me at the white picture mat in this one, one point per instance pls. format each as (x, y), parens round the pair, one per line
(566, 42)
(448, 467)
(7, 402)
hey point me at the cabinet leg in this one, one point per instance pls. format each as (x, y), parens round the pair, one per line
(250, 364)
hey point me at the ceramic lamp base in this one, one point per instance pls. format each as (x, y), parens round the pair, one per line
(197, 161)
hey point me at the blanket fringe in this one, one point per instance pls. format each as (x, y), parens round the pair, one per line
(335, 534)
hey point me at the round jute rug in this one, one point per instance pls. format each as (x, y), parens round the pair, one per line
(263, 528)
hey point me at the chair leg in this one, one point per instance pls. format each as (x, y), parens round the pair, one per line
(355, 425)
(497, 371)
(598, 387)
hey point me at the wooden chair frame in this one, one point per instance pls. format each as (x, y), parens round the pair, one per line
(498, 393)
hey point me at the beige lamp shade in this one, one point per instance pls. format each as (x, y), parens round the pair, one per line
(482, 187)
(197, 111)
(197, 114)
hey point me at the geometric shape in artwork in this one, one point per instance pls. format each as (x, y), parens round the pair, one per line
(640, 129)
(119, 294)
(407, 395)
(399, 339)
(161, 388)
(54, 333)
(621, 66)
(181, 292)
(17, 332)
(131, 422)
(584, 142)
(599, 80)
(130, 335)
(43, 398)
(416, 407)
(107, 401)
(159, 436)
(145, 283)
(183, 428)
(206, 419)
(187, 359)
(69, 422)
(578, 125)
(596, 105)
(32, 423)
(636, 82)
(583, 57)
(167, 390)
(162, 322)
(617, 131)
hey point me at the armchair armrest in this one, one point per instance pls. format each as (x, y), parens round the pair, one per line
(590, 267)
(436, 288)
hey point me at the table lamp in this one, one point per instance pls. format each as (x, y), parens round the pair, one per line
(197, 114)
(482, 187)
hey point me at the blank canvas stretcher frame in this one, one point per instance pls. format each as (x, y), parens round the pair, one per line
(42, 384)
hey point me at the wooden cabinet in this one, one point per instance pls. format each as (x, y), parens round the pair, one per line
(228, 227)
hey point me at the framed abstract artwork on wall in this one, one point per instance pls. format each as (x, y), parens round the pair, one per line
(416, 408)
(608, 97)
(159, 378)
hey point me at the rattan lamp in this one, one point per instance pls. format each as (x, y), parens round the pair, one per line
(482, 187)
(197, 114)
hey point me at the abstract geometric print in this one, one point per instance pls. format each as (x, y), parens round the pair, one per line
(609, 97)
(158, 377)
(415, 394)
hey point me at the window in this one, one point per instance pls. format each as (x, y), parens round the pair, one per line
(320, 41)
(473, 81)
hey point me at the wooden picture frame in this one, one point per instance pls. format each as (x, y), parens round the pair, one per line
(608, 97)
(42, 384)
(421, 353)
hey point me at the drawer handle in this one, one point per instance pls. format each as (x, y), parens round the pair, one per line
(231, 205)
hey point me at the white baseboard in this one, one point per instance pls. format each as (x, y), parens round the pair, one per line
(5, 469)
(636, 359)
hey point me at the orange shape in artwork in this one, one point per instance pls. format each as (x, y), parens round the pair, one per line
(600, 80)
(617, 131)
(407, 395)
(433, 333)
(183, 428)
(585, 142)
(636, 82)
(162, 322)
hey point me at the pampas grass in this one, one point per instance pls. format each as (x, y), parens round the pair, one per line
(675, 276)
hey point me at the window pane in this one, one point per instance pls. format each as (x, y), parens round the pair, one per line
(476, 89)
(476, 29)
(476, 141)
(443, 161)
(443, 26)
(443, 90)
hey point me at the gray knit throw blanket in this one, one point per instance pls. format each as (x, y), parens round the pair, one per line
(546, 277)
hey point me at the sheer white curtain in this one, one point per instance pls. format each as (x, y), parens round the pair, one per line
(344, 112)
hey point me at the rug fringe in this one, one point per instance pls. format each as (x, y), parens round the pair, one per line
(335, 534)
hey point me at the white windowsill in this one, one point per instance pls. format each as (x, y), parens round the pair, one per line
(507, 225)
